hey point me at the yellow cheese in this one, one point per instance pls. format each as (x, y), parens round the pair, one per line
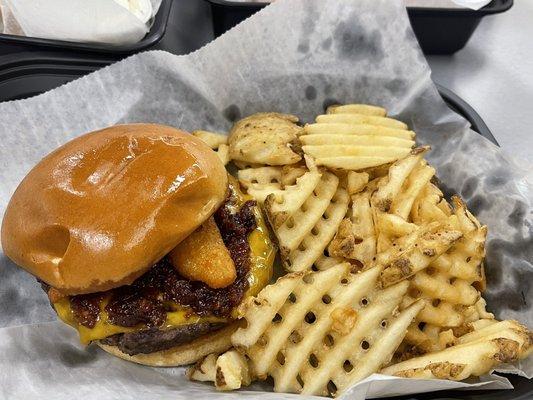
(104, 328)
(262, 259)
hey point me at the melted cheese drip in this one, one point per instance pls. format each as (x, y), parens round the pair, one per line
(262, 259)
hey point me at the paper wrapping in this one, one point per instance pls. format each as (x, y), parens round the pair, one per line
(295, 56)
(95, 21)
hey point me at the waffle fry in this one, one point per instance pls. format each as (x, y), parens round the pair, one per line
(324, 262)
(419, 177)
(212, 139)
(314, 243)
(265, 138)
(281, 204)
(295, 227)
(385, 273)
(302, 330)
(356, 181)
(363, 109)
(228, 371)
(286, 198)
(474, 354)
(413, 253)
(204, 370)
(245, 165)
(450, 283)
(390, 187)
(223, 153)
(355, 238)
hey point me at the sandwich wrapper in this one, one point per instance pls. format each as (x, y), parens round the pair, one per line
(116, 22)
(295, 56)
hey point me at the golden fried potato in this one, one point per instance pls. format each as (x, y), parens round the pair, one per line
(228, 371)
(265, 138)
(212, 139)
(320, 333)
(204, 257)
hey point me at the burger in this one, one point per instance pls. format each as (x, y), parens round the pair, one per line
(142, 242)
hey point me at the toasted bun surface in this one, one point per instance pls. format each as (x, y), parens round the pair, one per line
(187, 353)
(99, 211)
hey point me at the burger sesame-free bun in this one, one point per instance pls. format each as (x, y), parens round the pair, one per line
(100, 210)
(215, 342)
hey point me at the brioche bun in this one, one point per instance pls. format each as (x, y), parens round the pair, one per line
(215, 342)
(99, 211)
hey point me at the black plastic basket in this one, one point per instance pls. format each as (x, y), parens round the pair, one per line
(32, 74)
(14, 43)
(438, 30)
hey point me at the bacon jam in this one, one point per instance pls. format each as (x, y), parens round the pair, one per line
(150, 297)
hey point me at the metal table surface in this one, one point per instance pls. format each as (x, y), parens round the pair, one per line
(494, 74)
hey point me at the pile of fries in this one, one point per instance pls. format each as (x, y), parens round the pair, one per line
(384, 275)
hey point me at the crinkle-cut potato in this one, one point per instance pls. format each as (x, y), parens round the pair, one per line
(265, 138)
(355, 238)
(361, 119)
(353, 163)
(228, 371)
(364, 109)
(354, 140)
(359, 150)
(354, 157)
(475, 354)
(319, 333)
(212, 139)
(357, 129)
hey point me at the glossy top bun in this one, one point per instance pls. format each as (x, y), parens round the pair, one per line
(100, 210)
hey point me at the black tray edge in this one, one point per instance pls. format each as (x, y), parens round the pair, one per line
(488, 9)
(466, 111)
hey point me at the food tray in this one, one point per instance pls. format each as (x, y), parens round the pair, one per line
(35, 73)
(438, 30)
(14, 43)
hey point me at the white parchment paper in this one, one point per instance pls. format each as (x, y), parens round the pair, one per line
(295, 56)
(99, 21)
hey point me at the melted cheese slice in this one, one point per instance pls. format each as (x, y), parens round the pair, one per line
(261, 264)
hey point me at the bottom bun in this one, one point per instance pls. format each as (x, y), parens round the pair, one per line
(187, 353)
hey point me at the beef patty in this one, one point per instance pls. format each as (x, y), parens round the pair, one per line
(152, 340)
